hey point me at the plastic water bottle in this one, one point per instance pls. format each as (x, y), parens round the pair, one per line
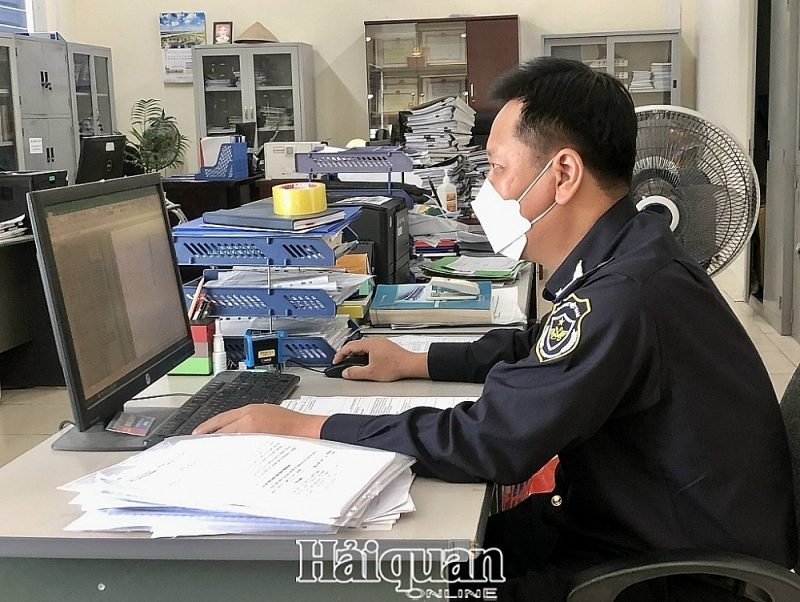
(218, 357)
(448, 196)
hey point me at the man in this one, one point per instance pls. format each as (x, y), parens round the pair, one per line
(641, 379)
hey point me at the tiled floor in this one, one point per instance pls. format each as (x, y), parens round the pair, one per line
(28, 417)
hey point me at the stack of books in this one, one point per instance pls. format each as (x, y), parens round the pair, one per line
(662, 76)
(245, 484)
(411, 304)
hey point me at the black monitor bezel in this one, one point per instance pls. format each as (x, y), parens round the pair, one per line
(88, 142)
(136, 380)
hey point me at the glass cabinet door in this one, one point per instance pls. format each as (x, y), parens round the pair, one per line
(81, 69)
(409, 64)
(591, 52)
(8, 143)
(222, 86)
(274, 84)
(648, 70)
(103, 87)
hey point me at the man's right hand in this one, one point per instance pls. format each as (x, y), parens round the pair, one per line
(387, 361)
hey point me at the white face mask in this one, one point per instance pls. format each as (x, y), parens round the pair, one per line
(502, 219)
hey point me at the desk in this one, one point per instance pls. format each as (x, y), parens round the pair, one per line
(198, 196)
(28, 355)
(41, 562)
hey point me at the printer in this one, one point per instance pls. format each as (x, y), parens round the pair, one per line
(383, 221)
(279, 159)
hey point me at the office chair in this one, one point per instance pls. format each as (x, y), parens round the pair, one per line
(605, 582)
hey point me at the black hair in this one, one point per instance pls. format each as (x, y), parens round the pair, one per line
(567, 104)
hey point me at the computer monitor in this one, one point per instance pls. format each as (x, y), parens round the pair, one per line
(114, 296)
(248, 132)
(101, 158)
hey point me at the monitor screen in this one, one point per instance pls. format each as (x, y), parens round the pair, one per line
(248, 131)
(101, 158)
(113, 290)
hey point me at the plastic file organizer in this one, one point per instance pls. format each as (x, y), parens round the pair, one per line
(222, 247)
(370, 159)
(231, 164)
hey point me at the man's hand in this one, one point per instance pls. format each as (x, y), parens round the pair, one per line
(387, 361)
(263, 418)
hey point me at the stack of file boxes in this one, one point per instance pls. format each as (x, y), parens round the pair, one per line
(198, 244)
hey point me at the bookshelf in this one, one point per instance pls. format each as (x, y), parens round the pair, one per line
(411, 62)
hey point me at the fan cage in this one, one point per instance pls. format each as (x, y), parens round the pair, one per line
(703, 169)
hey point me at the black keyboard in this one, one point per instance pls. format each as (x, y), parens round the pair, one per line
(226, 391)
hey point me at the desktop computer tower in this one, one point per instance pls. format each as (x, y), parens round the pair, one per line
(385, 224)
(33, 363)
(14, 185)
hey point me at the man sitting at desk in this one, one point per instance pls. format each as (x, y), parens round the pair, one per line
(641, 379)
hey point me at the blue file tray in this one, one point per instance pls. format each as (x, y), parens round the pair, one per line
(231, 164)
(308, 351)
(369, 159)
(256, 302)
(199, 244)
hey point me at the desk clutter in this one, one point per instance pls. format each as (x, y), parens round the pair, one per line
(245, 484)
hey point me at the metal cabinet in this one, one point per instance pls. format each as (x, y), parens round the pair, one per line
(647, 62)
(9, 141)
(92, 91)
(45, 105)
(269, 84)
(44, 83)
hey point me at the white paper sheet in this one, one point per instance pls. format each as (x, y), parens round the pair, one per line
(421, 343)
(258, 475)
(368, 406)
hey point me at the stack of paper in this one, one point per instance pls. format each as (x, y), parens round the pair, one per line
(443, 127)
(484, 268)
(662, 76)
(244, 484)
(642, 80)
(210, 147)
(420, 343)
(477, 169)
(12, 228)
(338, 284)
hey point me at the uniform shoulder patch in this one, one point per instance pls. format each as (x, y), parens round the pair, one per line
(562, 332)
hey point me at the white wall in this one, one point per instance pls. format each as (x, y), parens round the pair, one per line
(725, 89)
(334, 29)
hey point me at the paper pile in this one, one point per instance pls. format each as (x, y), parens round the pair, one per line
(245, 484)
(12, 228)
(443, 127)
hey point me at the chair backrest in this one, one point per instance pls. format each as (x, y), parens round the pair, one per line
(790, 408)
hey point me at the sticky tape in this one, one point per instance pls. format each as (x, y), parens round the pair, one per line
(302, 198)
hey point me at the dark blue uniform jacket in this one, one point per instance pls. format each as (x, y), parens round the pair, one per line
(646, 386)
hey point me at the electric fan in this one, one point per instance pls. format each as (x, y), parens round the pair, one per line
(698, 177)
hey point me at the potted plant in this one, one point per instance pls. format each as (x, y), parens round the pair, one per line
(157, 142)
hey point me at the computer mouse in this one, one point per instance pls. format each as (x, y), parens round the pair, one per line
(335, 370)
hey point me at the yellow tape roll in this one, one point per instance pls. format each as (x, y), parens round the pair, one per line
(302, 198)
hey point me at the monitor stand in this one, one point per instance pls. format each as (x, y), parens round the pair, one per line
(97, 438)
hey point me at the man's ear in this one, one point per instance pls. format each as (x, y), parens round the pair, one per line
(568, 171)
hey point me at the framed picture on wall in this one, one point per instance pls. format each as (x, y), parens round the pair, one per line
(223, 32)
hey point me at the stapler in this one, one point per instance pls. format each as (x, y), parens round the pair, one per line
(453, 288)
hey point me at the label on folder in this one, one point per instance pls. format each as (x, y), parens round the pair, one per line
(131, 424)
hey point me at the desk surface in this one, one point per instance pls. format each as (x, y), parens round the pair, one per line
(35, 512)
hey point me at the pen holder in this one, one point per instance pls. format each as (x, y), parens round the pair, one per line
(201, 362)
